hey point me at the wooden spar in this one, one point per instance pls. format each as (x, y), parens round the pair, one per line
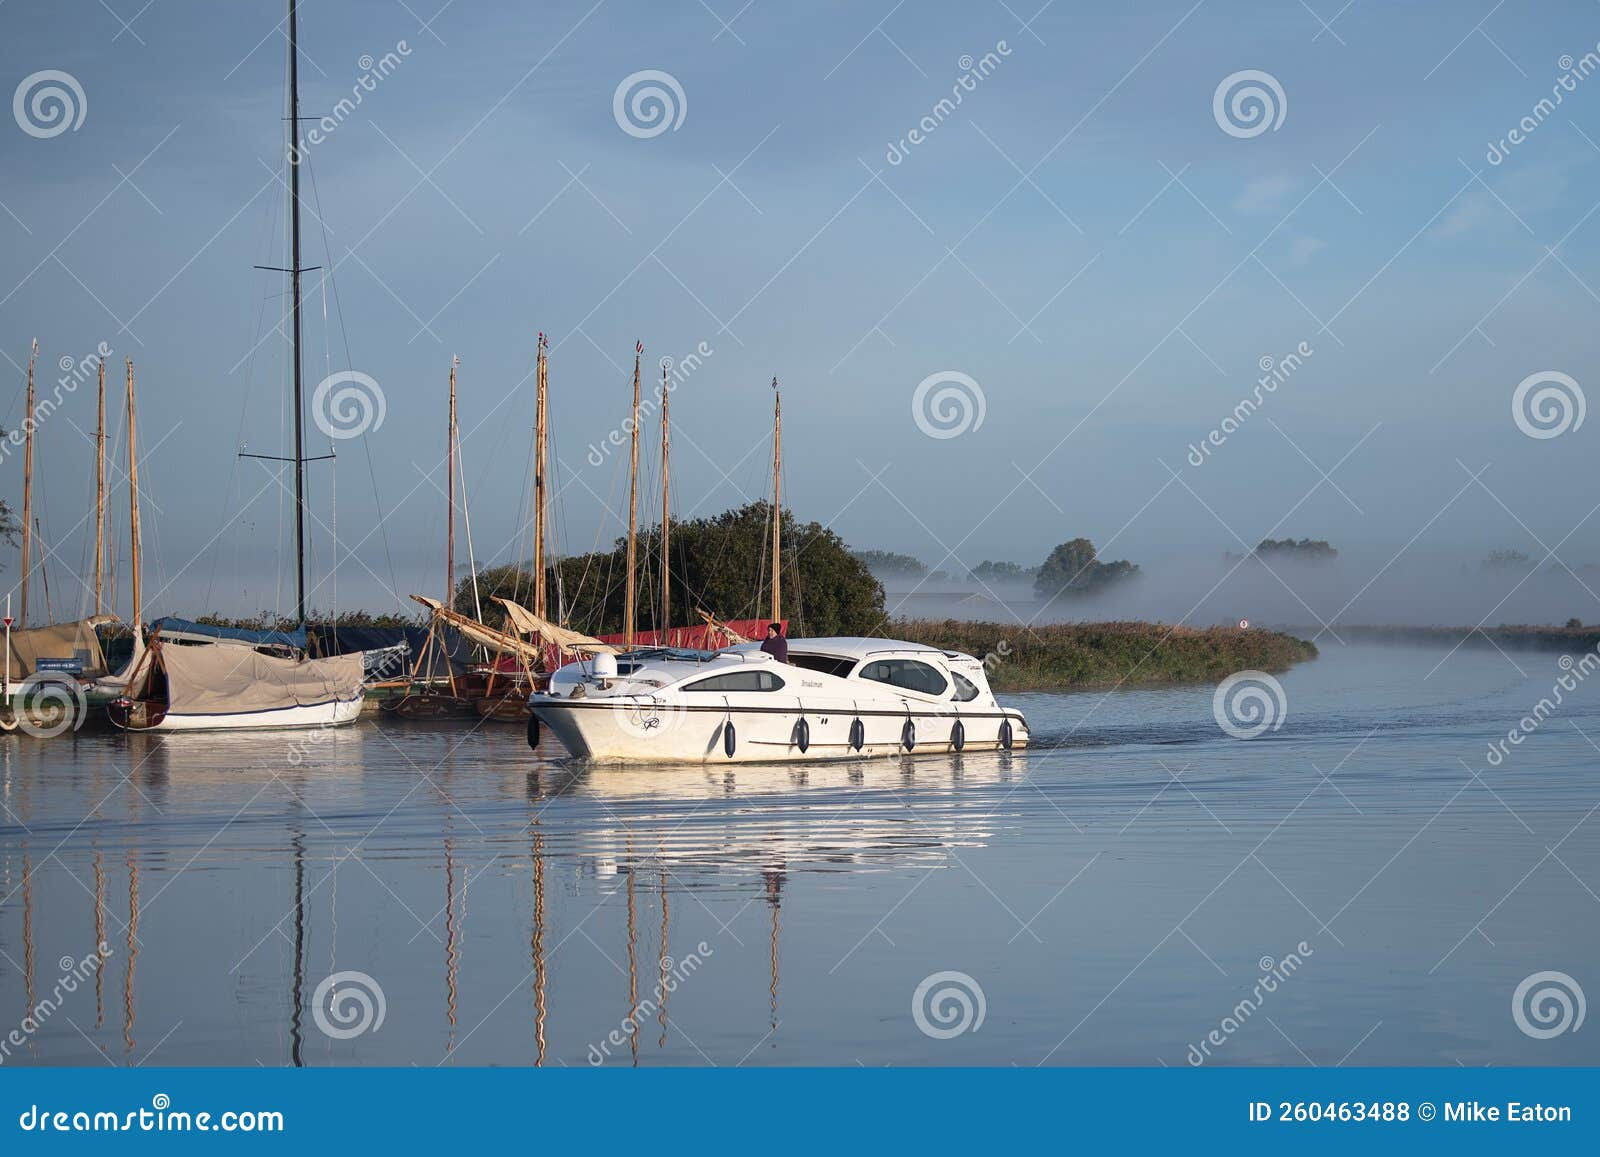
(666, 515)
(777, 503)
(100, 498)
(628, 607)
(450, 473)
(27, 490)
(133, 508)
(540, 449)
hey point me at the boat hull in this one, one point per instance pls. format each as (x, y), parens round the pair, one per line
(632, 731)
(143, 716)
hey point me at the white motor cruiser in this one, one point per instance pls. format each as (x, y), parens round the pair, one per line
(840, 698)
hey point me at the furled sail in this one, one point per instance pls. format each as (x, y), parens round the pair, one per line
(567, 642)
(478, 633)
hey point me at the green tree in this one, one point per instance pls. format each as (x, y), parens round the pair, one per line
(1075, 568)
(722, 565)
(888, 562)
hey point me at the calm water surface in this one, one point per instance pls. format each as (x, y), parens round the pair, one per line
(1114, 893)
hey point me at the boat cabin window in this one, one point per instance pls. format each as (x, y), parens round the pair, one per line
(738, 681)
(906, 673)
(827, 664)
(966, 689)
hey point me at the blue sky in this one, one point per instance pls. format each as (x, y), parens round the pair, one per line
(1081, 238)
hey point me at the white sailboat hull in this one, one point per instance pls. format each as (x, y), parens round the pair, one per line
(329, 714)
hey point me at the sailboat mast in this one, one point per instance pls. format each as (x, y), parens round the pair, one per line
(666, 512)
(450, 473)
(633, 508)
(27, 490)
(294, 279)
(777, 496)
(133, 508)
(100, 498)
(540, 448)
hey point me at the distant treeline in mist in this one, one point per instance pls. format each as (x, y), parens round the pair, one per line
(1073, 655)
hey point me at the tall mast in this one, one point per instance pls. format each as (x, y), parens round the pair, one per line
(666, 512)
(450, 519)
(633, 507)
(133, 508)
(27, 490)
(294, 279)
(540, 448)
(777, 496)
(100, 498)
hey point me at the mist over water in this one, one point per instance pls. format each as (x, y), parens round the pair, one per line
(1372, 588)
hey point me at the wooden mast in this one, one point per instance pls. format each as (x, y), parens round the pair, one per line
(633, 508)
(133, 508)
(540, 449)
(27, 490)
(100, 498)
(666, 515)
(777, 505)
(450, 473)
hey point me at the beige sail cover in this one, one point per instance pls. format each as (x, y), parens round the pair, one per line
(529, 623)
(478, 633)
(58, 641)
(224, 680)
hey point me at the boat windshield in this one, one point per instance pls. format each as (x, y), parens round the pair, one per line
(666, 654)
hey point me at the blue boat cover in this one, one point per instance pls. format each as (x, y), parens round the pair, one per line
(274, 638)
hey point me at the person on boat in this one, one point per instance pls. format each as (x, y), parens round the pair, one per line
(775, 644)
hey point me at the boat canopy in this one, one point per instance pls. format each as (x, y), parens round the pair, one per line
(238, 680)
(183, 628)
(69, 648)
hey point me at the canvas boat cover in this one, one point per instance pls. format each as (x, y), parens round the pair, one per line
(212, 680)
(185, 628)
(73, 644)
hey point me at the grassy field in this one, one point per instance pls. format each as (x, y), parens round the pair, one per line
(1074, 655)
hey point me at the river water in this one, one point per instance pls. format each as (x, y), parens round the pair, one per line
(1359, 886)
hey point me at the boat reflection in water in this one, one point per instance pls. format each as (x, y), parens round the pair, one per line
(234, 881)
